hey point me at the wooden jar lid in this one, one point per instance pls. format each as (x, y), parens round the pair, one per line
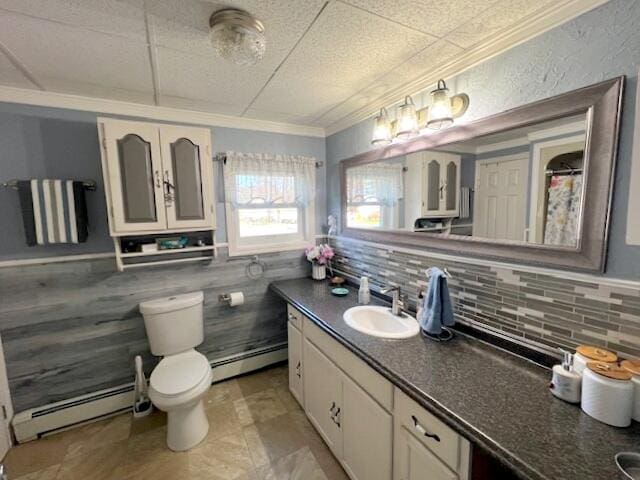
(632, 366)
(597, 354)
(609, 370)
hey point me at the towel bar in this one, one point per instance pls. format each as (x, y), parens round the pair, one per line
(87, 184)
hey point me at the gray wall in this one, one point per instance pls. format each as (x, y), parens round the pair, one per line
(42, 142)
(73, 328)
(596, 46)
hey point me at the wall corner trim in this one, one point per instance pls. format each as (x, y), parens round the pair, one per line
(117, 107)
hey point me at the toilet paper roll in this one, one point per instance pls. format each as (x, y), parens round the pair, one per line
(236, 298)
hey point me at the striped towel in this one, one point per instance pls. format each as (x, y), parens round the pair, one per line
(465, 202)
(53, 211)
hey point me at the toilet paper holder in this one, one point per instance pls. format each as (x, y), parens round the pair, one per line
(224, 298)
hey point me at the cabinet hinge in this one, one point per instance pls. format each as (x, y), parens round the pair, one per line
(111, 211)
(104, 143)
(4, 412)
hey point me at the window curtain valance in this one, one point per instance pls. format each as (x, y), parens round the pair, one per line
(264, 179)
(375, 183)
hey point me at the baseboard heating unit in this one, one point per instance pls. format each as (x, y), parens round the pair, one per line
(40, 421)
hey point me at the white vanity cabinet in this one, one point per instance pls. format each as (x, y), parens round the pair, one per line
(435, 184)
(158, 178)
(294, 334)
(368, 423)
(422, 443)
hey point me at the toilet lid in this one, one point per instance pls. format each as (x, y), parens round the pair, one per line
(178, 373)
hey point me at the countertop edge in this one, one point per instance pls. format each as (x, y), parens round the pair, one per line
(522, 469)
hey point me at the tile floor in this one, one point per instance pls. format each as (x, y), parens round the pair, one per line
(257, 432)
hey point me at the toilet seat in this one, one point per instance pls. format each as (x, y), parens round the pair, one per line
(177, 374)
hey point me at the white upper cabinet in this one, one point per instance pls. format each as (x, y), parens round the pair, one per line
(441, 181)
(158, 178)
(438, 192)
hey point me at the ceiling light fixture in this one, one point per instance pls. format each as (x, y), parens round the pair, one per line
(381, 129)
(407, 119)
(237, 36)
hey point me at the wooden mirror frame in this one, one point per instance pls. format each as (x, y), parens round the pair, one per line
(601, 103)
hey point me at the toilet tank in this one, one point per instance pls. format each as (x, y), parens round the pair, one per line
(174, 324)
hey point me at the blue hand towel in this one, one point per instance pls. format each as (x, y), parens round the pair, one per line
(437, 304)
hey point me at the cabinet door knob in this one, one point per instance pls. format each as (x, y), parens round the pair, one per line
(292, 316)
(422, 430)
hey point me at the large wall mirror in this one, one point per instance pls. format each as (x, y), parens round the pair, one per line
(529, 185)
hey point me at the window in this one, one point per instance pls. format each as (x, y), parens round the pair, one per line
(373, 196)
(269, 202)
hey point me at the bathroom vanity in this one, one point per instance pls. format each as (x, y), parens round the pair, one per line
(395, 409)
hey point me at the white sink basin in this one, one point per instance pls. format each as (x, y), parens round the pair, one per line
(380, 322)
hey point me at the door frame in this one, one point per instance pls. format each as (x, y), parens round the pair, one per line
(501, 159)
(538, 175)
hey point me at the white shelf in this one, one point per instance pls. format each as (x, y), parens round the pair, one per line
(166, 262)
(168, 251)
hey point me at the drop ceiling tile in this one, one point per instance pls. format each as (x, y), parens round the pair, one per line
(343, 109)
(11, 76)
(57, 53)
(208, 78)
(421, 64)
(499, 17)
(184, 25)
(435, 17)
(300, 96)
(278, 117)
(349, 47)
(200, 105)
(118, 17)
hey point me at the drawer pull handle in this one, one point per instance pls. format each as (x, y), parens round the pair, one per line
(422, 430)
(298, 370)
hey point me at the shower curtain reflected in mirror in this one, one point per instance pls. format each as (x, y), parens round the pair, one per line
(563, 210)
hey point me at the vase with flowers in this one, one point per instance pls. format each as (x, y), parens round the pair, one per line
(320, 257)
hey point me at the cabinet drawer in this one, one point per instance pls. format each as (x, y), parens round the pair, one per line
(365, 376)
(445, 443)
(294, 316)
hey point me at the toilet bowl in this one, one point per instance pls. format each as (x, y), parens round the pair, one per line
(179, 382)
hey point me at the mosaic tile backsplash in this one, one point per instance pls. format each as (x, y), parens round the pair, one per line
(547, 311)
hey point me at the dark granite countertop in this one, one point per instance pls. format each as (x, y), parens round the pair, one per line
(493, 398)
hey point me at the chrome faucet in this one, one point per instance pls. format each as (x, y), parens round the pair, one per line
(397, 303)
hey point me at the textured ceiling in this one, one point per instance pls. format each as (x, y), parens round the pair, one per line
(324, 60)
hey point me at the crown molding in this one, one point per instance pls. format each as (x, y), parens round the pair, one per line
(117, 107)
(528, 28)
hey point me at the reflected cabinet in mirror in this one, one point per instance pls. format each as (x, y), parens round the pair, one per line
(529, 185)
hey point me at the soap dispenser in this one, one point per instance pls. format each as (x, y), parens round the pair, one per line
(363, 294)
(566, 383)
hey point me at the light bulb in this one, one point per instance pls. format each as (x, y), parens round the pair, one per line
(407, 120)
(381, 129)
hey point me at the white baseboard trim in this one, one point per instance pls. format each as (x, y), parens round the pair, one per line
(48, 419)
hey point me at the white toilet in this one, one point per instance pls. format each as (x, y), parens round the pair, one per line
(182, 378)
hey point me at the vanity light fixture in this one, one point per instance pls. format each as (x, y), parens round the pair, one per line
(381, 129)
(444, 108)
(237, 36)
(407, 119)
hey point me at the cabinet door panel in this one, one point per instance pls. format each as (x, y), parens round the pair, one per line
(432, 186)
(188, 176)
(323, 394)
(295, 363)
(133, 170)
(367, 435)
(414, 461)
(452, 190)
